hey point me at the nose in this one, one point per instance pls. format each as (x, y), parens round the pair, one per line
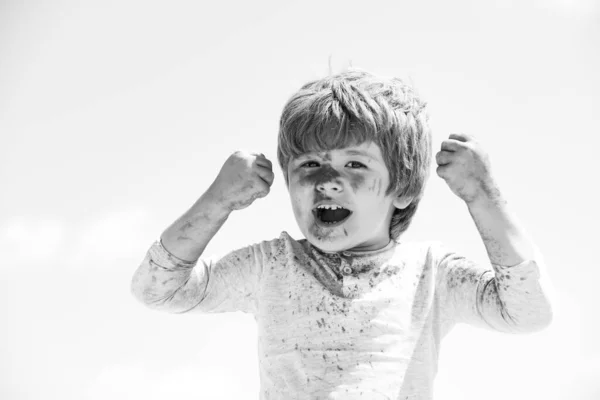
(327, 179)
(330, 186)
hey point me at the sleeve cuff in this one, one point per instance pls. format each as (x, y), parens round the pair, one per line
(161, 257)
(527, 269)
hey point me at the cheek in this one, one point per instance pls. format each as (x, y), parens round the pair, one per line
(357, 182)
(373, 186)
(299, 200)
(306, 180)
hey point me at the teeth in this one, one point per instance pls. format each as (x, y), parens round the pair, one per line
(330, 207)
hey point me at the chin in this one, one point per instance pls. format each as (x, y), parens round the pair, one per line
(329, 239)
(329, 244)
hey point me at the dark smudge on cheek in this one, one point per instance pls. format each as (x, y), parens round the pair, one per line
(356, 181)
(321, 175)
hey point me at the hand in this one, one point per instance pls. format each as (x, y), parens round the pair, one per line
(243, 178)
(465, 167)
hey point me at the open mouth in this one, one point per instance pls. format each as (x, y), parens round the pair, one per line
(331, 215)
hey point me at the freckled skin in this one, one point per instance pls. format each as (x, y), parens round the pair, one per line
(355, 182)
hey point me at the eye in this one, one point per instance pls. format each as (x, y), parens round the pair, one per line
(309, 164)
(356, 165)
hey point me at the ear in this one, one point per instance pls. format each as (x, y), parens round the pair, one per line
(402, 202)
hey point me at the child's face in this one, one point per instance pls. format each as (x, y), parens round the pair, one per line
(355, 178)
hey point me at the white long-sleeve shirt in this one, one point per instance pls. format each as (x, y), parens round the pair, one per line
(354, 325)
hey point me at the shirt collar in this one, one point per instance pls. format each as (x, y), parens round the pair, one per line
(356, 254)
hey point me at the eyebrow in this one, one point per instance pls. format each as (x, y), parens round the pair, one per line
(346, 152)
(359, 153)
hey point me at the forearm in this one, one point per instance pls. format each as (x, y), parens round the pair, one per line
(518, 297)
(505, 240)
(168, 279)
(189, 235)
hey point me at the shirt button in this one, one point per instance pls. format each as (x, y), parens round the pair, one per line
(347, 270)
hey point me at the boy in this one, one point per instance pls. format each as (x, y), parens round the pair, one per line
(350, 311)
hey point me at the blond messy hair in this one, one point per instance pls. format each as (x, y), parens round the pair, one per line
(354, 107)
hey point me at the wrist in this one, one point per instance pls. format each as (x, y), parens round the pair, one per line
(489, 195)
(211, 204)
(485, 202)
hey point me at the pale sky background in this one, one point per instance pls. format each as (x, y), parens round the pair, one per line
(116, 115)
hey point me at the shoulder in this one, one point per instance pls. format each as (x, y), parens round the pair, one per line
(422, 248)
(275, 247)
(436, 249)
(425, 253)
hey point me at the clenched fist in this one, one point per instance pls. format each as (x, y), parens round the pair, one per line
(465, 167)
(244, 177)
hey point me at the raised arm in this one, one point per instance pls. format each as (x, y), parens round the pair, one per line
(168, 279)
(243, 178)
(516, 297)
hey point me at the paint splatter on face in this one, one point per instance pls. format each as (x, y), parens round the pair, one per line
(339, 199)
